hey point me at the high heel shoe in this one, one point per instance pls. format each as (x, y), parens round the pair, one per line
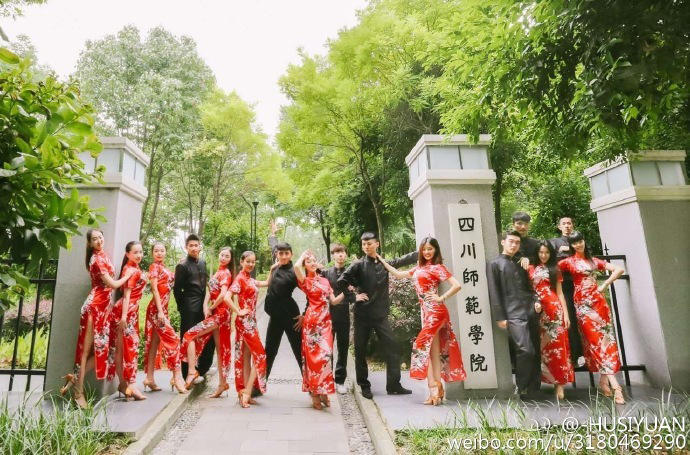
(441, 390)
(70, 379)
(189, 383)
(244, 397)
(604, 387)
(123, 389)
(560, 394)
(325, 400)
(434, 398)
(151, 385)
(316, 402)
(180, 388)
(219, 391)
(618, 397)
(78, 396)
(138, 396)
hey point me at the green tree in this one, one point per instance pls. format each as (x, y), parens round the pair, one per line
(44, 127)
(149, 91)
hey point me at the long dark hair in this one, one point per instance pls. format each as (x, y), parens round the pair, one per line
(437, 259)
(128, 248)
(550, 264)
(89, 248)
(576, 236)
(231, 264)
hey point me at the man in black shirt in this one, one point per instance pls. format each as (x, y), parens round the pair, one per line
(528, 246)
(371, 278)
(514, 307)
(562, 247)
(340, 315)
(189, 289)
(281, 308)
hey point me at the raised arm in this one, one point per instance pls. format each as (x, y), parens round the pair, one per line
(616, 272)
(111, 283)
(265, 284)
(392, 270)
(298, 267)
(408, 259)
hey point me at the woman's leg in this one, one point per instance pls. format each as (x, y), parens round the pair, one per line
(222, 380)
(191, 347)
(251, 377)
(87, 359)
(435, 357)
(151, 355)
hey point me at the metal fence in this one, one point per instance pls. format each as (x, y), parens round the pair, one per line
(10, 333)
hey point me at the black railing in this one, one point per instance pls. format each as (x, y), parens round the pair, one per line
(45, 283)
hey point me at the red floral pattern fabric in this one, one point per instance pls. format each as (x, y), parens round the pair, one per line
(593, 315)
(130, 339)
(317, 337)
(169, 345)
(435, 318)
(219, 319)
(96, 307)
(556, 366)
(247, 332)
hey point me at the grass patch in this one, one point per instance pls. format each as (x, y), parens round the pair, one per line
(664, 429)
(65, 429)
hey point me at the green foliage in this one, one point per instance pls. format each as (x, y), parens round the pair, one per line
(44, 127)
(24, 350)
(30, 429)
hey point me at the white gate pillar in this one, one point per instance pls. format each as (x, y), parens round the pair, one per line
(450, 188)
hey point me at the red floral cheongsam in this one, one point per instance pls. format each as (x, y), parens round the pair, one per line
(219, 319)
(556, 367)
(169, 345)
(435, 318)
(317, 337)
(247, 332)
(593, 315)
(96, 306)
(130, 338)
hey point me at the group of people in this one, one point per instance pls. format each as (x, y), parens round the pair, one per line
(545, 293)
(533, 286)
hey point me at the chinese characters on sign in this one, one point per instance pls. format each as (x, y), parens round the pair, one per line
(474, 329)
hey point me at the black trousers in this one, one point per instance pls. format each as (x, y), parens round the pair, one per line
(274, 334)
(384, 332)
(189, 319)
(573, 333)
(340, 316)
(524, 336)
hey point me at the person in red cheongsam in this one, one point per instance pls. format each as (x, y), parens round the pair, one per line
(250, 356)
(556, 366)
(594, 315)
(124, 323)
(217, 323)
(93, 341)
(317, 330)
(159, 331)
(436, 352)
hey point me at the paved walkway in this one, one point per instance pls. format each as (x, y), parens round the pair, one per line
(283, 421)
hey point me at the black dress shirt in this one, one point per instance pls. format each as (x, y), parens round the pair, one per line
(557, 243)
(191, 277)
(510, 292)
(369, 275)
(529, 248)
(279, 301)
(332, 274)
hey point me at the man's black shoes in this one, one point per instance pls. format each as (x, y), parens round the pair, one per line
(366, 393)
(398, 390)
(256, 392)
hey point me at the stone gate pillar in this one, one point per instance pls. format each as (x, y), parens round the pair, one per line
(121, 199)
(450, 188)
(643, 208)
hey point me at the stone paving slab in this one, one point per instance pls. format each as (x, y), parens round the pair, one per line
(401, 412)
(283, 421)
